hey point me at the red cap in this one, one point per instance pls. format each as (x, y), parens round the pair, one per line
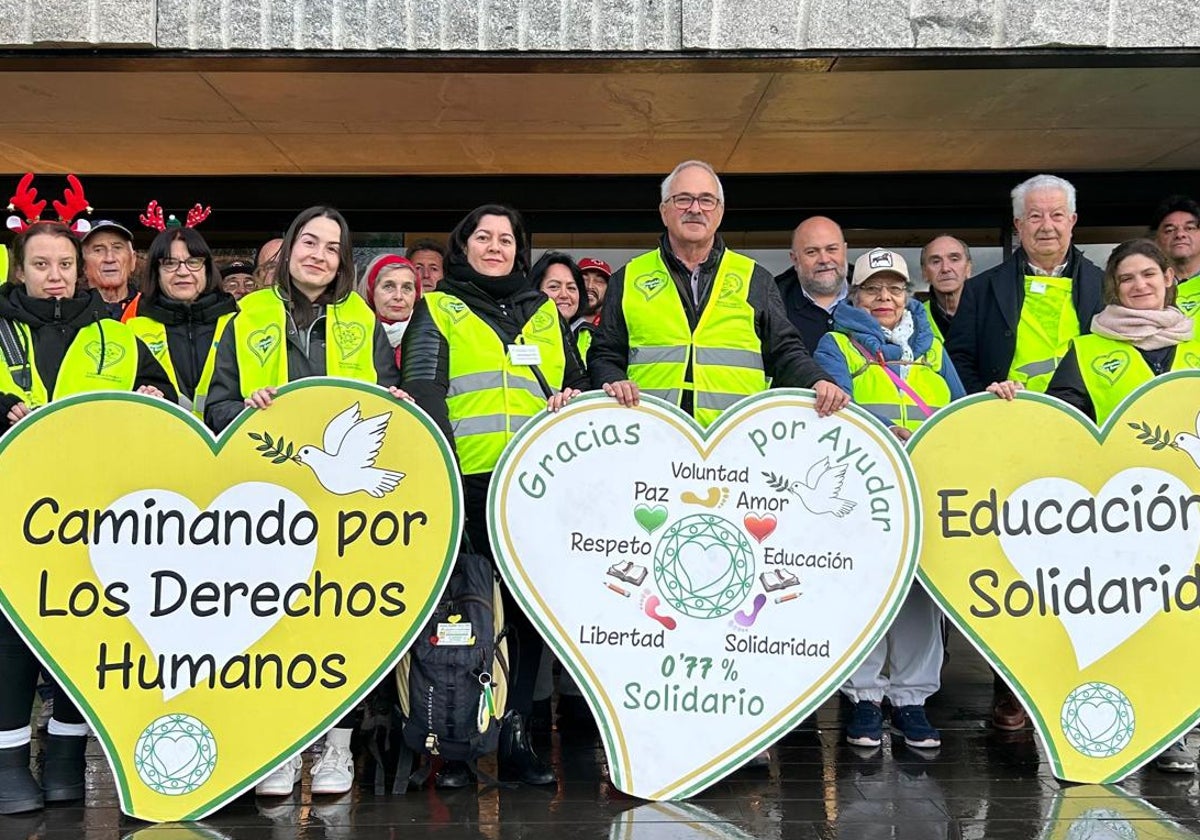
(593, 264)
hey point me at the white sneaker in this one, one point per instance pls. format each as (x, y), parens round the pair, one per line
(333, 771)
(282, 779)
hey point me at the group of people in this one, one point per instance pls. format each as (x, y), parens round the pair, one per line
(483, 339)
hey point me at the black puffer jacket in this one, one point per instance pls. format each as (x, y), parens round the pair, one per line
(54, 323)
(190, 329)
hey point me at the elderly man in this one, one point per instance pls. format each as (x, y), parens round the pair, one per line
(651, 338)
(108, 263)
(1176, 229)
(816, 282)
(1014, 321)
(946, 265)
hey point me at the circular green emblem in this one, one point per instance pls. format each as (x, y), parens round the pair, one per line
(704, 566)
(175, 754)
(1097, 719)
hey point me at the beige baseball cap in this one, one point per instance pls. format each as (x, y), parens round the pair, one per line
(879, 261)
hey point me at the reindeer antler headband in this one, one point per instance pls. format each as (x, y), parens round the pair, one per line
(26, 201)
(153, 217)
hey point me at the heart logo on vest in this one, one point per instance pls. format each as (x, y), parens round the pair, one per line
(731, 290)
(1191, 360)
(1072, 564)
(157, 347)
(1111, 366)
(349, 338)
(735, 600)
(262, 343)
(541, 321)
(456, 309)
(104, 355)
(1188, 306)
(184, 600)
(651, 284)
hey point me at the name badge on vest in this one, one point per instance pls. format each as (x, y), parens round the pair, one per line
(1037, 287)
(524, 354)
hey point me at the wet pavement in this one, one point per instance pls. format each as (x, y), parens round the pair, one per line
(980, 784)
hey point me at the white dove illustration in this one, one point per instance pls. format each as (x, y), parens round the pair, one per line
(346, 464)
(1189, 443)
(820, 488)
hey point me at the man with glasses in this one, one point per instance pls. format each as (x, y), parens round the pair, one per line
(108, 262)
(695, 323)
(1176, 229)
(237, 278)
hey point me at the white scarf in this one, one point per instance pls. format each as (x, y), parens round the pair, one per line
(900, 334)
(395, 331)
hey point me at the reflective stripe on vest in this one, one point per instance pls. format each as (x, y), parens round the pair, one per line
(260, 329)
(154, 335)
(1048, 323)
(1112, 369)
(872, 389)
(103, 356)
(489, 398)
(725, 351)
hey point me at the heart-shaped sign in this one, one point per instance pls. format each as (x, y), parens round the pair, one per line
(185, 599)
(1068, 555)
(703, 640)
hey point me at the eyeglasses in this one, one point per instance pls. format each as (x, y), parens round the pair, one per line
(172, 264)
(683, 201)
(1171, 230)
(893, 289)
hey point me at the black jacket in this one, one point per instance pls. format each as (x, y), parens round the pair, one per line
(983, 334)
(1067, 382)
(190, 328)
(810, 320)
(53, 324)
(785, 360)
(306, 357)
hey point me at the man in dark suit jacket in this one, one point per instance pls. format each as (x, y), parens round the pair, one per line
(816, 282)
(1014, 320)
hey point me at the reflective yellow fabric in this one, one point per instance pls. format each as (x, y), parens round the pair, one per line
(875, 391)
(1048, 322)
(1112, 369)
(102, 357)
(154, 335)
(937, 332)
(1189, 297)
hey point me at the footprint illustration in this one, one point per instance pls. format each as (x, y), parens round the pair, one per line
(714, 498)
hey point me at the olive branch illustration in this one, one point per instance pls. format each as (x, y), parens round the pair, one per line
(778, 483)
(1155, 438)
(278, 450)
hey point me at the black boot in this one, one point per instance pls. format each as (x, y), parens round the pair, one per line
(517, 760)
(452, 775)
(19, 791)
(62, 770)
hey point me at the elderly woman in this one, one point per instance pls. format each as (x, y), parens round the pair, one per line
(391, 288)
(883, 352)
(485, 353)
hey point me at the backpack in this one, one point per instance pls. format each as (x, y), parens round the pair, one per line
(452, 685)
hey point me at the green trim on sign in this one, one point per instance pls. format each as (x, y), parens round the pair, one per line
(216, 444)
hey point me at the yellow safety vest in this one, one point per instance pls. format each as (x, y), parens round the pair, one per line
(874, 390)
(1188, 299)
(260, 330)
(100, 358)
(489, 398)
(1048, 323)
(154, 335)
(725, 350)
(937, 331)
(583, 340)
(1112, 369)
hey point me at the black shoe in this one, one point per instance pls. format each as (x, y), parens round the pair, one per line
(62, 768)
(517, 760)
(19, 791)
(453, 775)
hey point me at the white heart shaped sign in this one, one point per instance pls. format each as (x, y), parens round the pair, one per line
(707, 590)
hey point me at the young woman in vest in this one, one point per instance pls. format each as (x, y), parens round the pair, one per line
(183, 311)
(391, 288)
(284, 333)
(884, 354)
(486, 352)
(58, 340)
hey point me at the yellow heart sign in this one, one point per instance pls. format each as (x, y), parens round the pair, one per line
(190, 590)
(1068, 555)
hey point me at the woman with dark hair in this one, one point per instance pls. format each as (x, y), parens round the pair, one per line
(558, 276)
(183, 312)
(57, 340)
(292, 330)
(485, 353)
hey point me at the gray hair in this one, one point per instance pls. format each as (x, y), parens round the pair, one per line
(687, 164)
(966, 248)
(1041, 182)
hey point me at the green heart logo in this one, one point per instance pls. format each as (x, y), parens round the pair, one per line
(651, 284)
(1112, 366)
(157, 347)
(650, 518)
(1188, 306)
(349, 338)
(1191, 360)
(262, 343)
(106, 355)
(731, 288)
(541, 321)
(456, 309)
